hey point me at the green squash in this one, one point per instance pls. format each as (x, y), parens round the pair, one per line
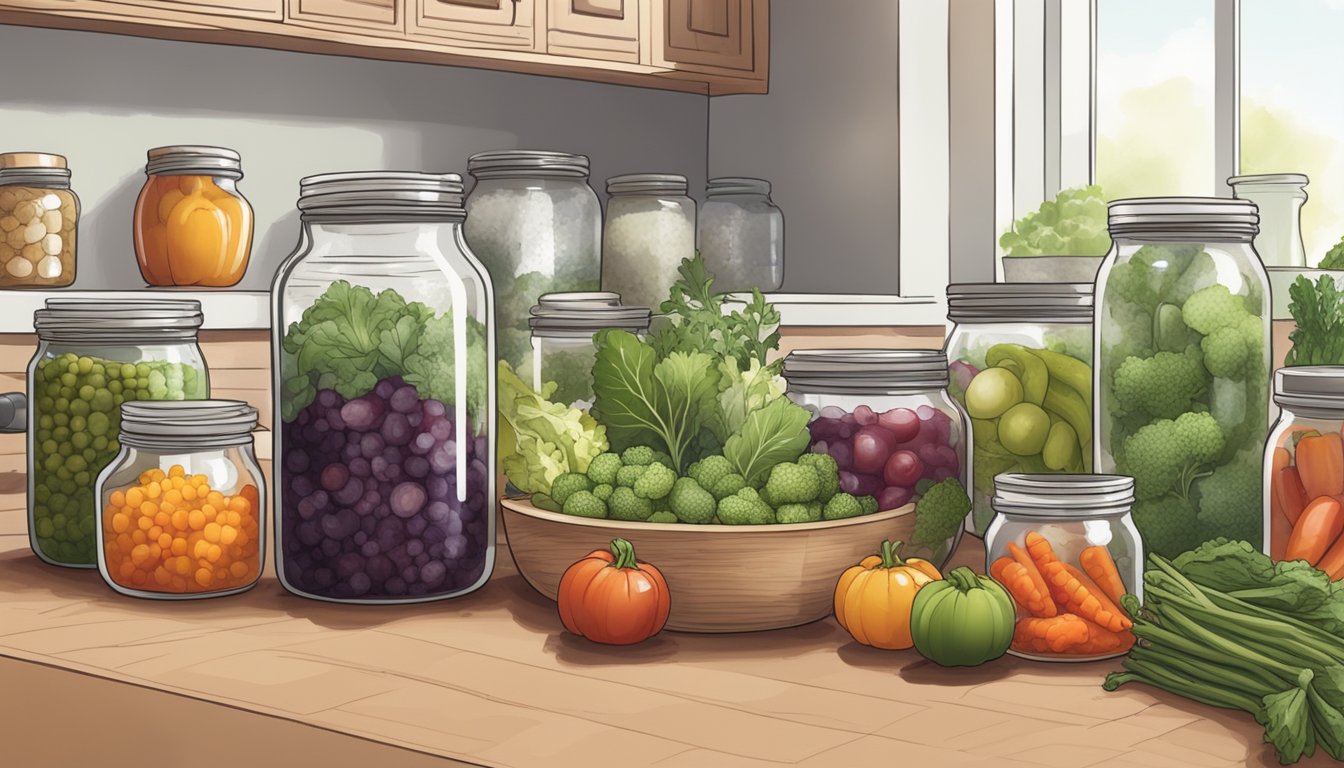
(962, 621)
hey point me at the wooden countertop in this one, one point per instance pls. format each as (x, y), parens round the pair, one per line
(492, 679)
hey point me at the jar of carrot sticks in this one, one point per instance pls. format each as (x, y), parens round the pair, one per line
(1304, 467)
(1066, 549)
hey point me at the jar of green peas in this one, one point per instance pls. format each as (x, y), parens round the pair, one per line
(92, 356)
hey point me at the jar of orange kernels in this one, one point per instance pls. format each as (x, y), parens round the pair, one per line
(191, 224)
(181, 509)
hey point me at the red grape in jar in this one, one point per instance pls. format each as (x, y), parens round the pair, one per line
(872, 446)
(903, 468)
(902, 423)
(893, 497)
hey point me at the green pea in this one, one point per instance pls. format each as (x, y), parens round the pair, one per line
(80, 440)
(68, 487)
(72, 369)
(113, 445)
(62, 473)
(99, 442)
(119, 399)
(59, 519)
(68, 379)
(127, 371)
(53, 462)
(80, 407)
(99, 369)
(98, 424)
(45, 403)
(142, 382)
(142, 394)
(69, 393)
(44, 422)
(76, 463)
(114, 387)
(42, 493)
(97, 380)
(142, 369)
(62, 404)
(89, 455)
(45, 528)
(77, 424)
(49, 446)
(41, 436)
(85, 364)
(60, 434)
(83, 479)
(61, 420)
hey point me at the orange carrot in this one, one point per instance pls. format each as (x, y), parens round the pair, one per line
(996, 571)
(1097, 563)
(1023, 589)
(1040, 550)
(1045, 605)
(1279, 532)
(1282, 458)
(1292, 496)
(1320, 464)
(1070, 588)
(1320, 524)
(1053, 635)
(1101, 640)
(1333, 561)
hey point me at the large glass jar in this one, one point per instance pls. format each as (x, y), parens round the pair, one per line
(1304, 469)
(536, 225)
(191, 224)
(39, 218)
(1023, 351)
(1050, 532)
(563, 351)
(1182, 367)
(1279, 198)
(182, 508)
(885, 416)
(92, 356)
(650, 229)
(741, 235)
(385, 389)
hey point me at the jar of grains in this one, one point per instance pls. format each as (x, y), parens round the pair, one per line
(650, 229)
(741, 235)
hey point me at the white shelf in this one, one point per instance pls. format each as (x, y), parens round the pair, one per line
(224, 310)
(829, 309)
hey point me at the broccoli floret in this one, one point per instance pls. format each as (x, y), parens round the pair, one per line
(1230, 502)
(799, 513)
(602, 469)
(1166, 452)
(743, 508)
(1163, 385)
(1170, 333)
(709, 470)
(749, 493)
(542, 501)
(728, 485)
(655, 483)
(840, 506)
(625, 505)
(1211, 308)
(939, 513)
(627, 476)
(662, 517)
(637, 456)
(565, 485)
(1167, 525)
(1201, 273)
(662, 458)
(1226, 353)
(603, 491)
(585, 504)
(792, 484)
(868, 504)
(691, 503)
(827, 472)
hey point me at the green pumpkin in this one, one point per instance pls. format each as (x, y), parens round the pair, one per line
(962, 621)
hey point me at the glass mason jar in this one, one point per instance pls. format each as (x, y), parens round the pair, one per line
(1024, 351)
(384, 354)
(92, 356)
(182, 508)
(191, 224)
(741, 235)
(536, 225)
(1303, 465)
(650, 229)
(885, 416)
(1083, 524)
(39, 218)
(1182, 367)
(1279, 198)
(563, 351)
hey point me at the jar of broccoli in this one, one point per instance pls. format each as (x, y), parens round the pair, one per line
(1183, 363)
(92, 356)
(1020, 359)
(563, 352)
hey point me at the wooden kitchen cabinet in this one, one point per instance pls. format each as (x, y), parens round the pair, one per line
(491, 24)
(596, 29)
(354, 13)
(711, 35)
(250, 9)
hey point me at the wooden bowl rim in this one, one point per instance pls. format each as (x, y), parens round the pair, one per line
(525, 507)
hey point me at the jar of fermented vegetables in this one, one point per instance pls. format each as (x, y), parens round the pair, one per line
(385, 390)
(896, 435)
(93, 356)
(563, 352)
(191, 224)
(1066, 548)
(39, 217)
(650, 228)
(1182, 367)
(1020, 359)
(181, 509)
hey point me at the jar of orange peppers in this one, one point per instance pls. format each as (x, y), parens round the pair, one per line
(1066, 549)
(1304, 464)
(181, 508)
(192, 225)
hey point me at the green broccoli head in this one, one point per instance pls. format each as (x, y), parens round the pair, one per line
(828, 473)
(662, 517)
(655, 483)
(627, 476)
(625, 505)
(841, 506)
(1167, 525)
(691, 503)
(1214, 307)
(939, 513)
(603, 468)
(709, 470)
(638, 456)
(868, 504)
(1164, 385)
(1201, 273)
(791, 483)
(603, 491)
(585, 504)
(1165, 455)
(743, 508)
(728, 485)
(565, 485)
(1230, 503)
(1226, 353)
(799, 513)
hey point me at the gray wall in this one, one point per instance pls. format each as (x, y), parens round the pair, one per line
(102, 100)
(826, 137)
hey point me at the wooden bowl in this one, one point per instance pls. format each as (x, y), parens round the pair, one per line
(723, 578)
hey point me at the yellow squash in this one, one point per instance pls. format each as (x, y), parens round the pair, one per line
(873, 599)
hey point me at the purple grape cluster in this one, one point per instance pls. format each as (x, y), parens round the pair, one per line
(370, 502)
(887, 454)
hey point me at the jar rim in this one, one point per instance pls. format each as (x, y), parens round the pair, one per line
(736, 185)
(186, 423)
(32, 161)
(1018, 302)
(586, 311)
(1077, 496)
(507, 163)
(1214, 216)
(865, 370)
(361, 193)
(1296, 179)
(109, 320)
(189, 159)
(642, 183)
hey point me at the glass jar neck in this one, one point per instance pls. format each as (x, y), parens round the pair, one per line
(374, 234)
(1183, 236)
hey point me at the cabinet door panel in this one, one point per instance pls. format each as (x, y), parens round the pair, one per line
(478, 23)
(251, 9)
(594, 29)
(357, 13)
(714, 34)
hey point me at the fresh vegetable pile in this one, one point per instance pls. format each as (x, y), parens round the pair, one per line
(1306, 488)
(1073, 224)
(1184, 388)
(1318, 316)
(1225, 626)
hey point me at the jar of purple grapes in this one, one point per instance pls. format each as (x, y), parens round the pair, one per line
(886, 418)
(383, 345)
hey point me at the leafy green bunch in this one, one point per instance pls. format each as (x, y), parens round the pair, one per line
(1073, 224)
(1318, 313)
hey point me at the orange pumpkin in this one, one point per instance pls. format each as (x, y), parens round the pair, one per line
(873, 599)
(610, 597)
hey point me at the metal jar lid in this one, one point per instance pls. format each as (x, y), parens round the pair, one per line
(569, 314)
(1310, 387)
(1269, 179)
(374, 193)
(37, 169)
(188, 160)
(735, 185)
(1210, 217)
(187, 423)
(523, 163)
(647, 183)
(865, 371)
(1063, 496)
(1019, 302)
(130, 321)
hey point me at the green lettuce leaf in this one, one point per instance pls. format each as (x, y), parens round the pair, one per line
(745, 391)
(772, 435)
(541, 440)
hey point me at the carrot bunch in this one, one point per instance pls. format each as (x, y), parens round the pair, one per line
(1307, 503)
(1062, 608)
